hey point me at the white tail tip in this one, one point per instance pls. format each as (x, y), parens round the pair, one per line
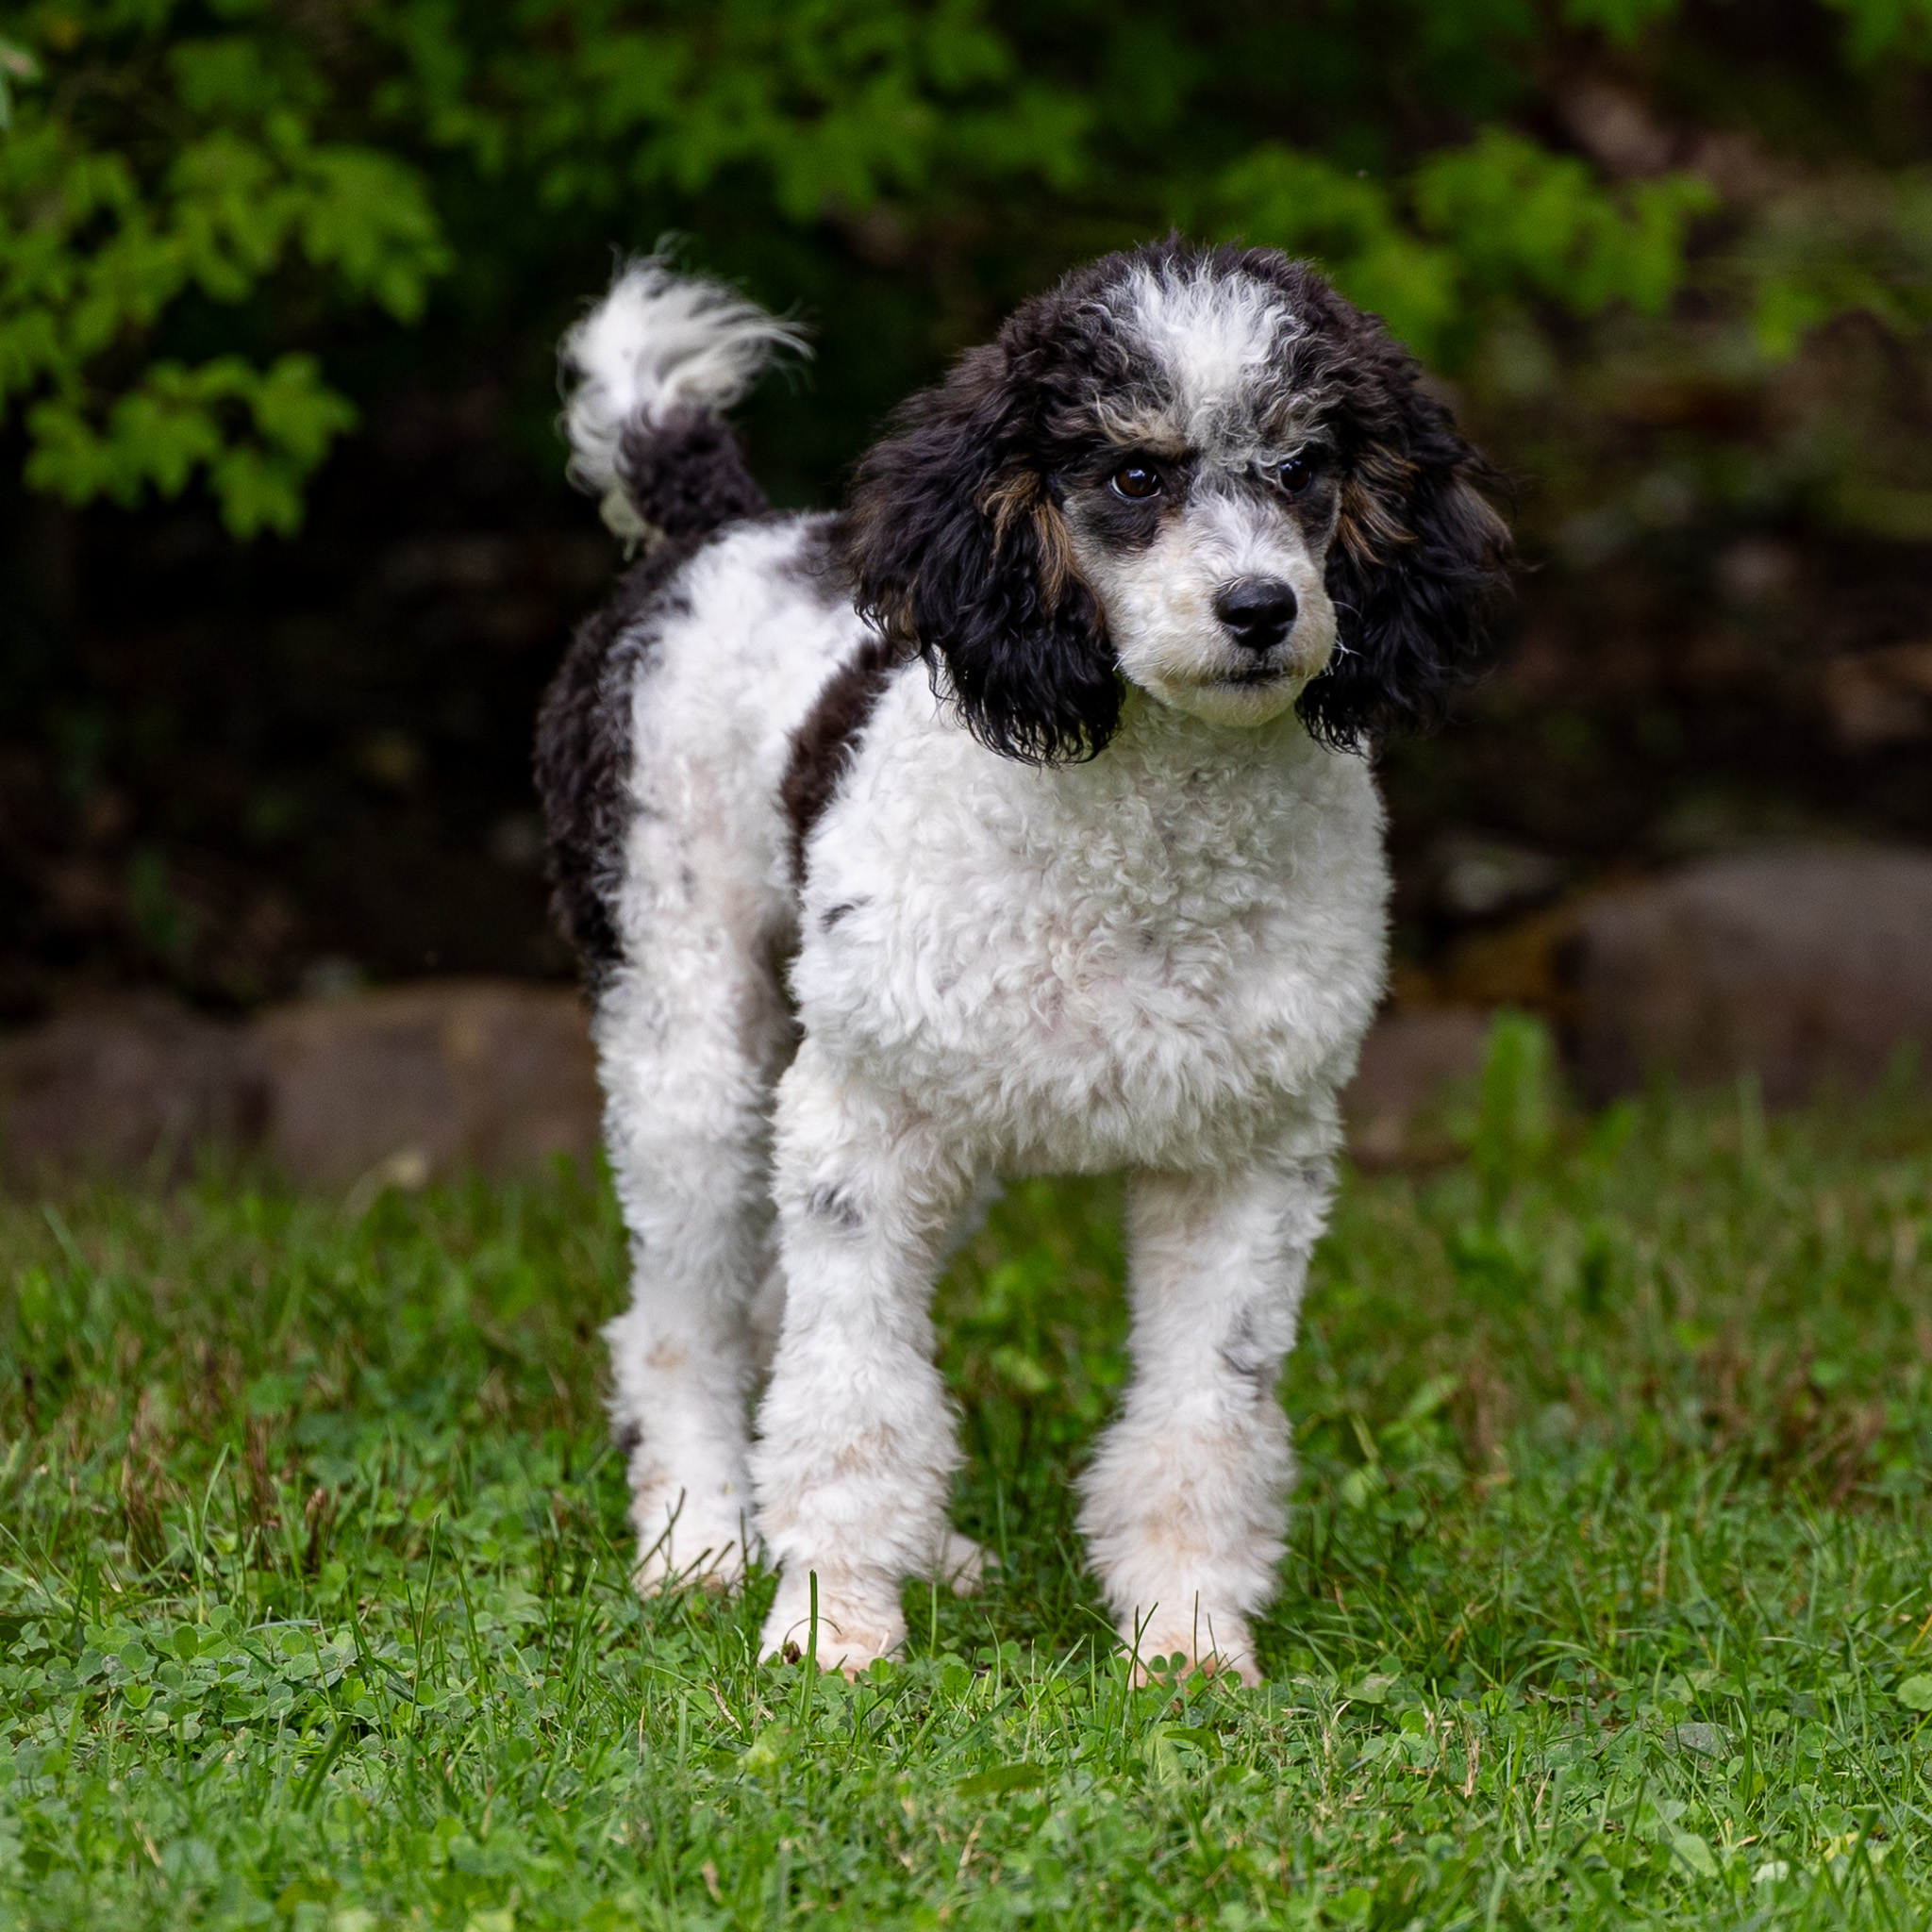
(655, 340)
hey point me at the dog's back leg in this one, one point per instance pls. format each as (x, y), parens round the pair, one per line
(661, 755)
(688, 1062)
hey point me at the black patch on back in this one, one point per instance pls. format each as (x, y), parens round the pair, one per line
(684, 472)
(822, 748)
(583, 753)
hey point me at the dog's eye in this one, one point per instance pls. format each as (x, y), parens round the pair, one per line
(1294, 475)
(1136, 482)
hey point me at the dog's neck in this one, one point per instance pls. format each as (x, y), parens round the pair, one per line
(1188, 765)
(1172, 804)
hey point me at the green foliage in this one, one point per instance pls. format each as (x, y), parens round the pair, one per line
(199, 203)
(160, 167)
(1524, 221)
(1496, 221)
(174, 162)
(832, 103)
(1605, 1601)
(1872, 28)
(1857, 242)
(258, 433)
(1876, 28)
(1620, 21)
(1515, 1120)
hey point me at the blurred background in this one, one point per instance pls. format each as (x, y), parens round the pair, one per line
(286, 555)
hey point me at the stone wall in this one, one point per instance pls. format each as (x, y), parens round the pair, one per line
(421, 1080)
(1805, 968)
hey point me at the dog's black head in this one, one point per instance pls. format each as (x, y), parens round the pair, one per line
(1201, 472)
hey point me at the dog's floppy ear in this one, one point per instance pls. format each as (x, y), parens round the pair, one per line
(960, 553)
(1418, 563)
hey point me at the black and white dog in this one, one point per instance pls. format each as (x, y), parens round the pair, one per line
(1010, 822)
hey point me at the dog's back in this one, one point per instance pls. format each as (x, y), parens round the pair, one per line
(690, 683)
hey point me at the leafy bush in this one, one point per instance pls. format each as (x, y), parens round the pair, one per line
(197, 198)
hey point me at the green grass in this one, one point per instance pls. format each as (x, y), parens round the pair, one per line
(1608, 1601)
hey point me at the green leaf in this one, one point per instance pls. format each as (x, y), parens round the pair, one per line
(1876, 28)
(1003, 1777)
(1694, 1852)
(1915, 1693)
(1430, 1397)
(1516, 1121)
(1522, 220)
(769, 1749)
(1200, 1736)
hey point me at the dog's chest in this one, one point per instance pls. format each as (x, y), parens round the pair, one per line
(1113, 963)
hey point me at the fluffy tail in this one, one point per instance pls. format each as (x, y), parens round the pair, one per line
(646, 375)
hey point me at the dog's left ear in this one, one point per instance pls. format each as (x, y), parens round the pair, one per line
(960, 554)
(1418, 563)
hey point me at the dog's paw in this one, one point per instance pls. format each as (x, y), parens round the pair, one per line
(961, 1564)
(1221, 1647)
(719, 1570)
(852, 1631)
(678, 1545)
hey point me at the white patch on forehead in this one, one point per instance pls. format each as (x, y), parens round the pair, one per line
(1212, 336)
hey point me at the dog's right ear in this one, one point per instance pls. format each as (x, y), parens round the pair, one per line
(960, 553)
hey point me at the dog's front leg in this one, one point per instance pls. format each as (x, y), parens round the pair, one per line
(856, 1448)
(1185, 1503)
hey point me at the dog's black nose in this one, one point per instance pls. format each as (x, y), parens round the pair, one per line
(1257, 610)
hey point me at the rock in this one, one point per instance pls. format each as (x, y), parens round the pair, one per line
(133, 1083)
(384, 1088)
(1801, 967)
(1412, 1055)
(1880, 697)
(1478, 877)
(429, 1078)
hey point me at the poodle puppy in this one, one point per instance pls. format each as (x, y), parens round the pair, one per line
(1013, 821)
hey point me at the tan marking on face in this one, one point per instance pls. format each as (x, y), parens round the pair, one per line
(1369, 524)
(1057, 568)
(1019, 490)
(1004, 498)
(1365, 526)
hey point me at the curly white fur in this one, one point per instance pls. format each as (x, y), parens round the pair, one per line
(1162, 960)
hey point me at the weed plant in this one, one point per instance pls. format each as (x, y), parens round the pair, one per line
(1608, 1600)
